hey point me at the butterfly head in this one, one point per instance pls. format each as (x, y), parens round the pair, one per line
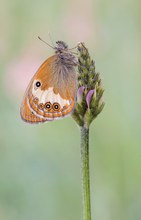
(61, 46)
(65, 56)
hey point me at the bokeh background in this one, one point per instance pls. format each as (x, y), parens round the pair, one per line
(40, 165)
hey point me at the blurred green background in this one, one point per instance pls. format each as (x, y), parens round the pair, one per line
(40, 164)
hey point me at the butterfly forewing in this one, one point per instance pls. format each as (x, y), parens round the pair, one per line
(50, 94)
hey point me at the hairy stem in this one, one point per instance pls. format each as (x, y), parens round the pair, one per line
(85, 173)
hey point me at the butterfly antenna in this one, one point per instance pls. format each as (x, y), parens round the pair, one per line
(74, 53)
(51, 39)
(45, 42)
(76, 46)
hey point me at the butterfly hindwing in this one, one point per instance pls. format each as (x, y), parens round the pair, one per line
(50, 94)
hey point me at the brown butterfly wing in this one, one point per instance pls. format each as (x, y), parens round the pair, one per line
(55, 98)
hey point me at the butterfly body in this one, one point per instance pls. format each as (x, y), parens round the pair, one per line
(52, 90)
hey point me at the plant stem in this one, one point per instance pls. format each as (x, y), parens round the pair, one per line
(85, 173)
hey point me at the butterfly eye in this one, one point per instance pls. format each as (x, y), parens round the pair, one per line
(35, 100)
(48, 106)
(41, 106)
(56, 106)
(38, 84)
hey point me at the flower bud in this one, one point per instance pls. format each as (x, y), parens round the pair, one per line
(89, 97)
(80, 92)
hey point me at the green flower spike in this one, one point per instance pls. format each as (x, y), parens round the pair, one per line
(89, 105)
(90, 91)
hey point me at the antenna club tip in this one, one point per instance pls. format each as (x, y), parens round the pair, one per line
(45, 42)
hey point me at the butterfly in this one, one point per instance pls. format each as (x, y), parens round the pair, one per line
(51, 93)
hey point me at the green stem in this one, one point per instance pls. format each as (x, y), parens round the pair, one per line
(85, 173)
